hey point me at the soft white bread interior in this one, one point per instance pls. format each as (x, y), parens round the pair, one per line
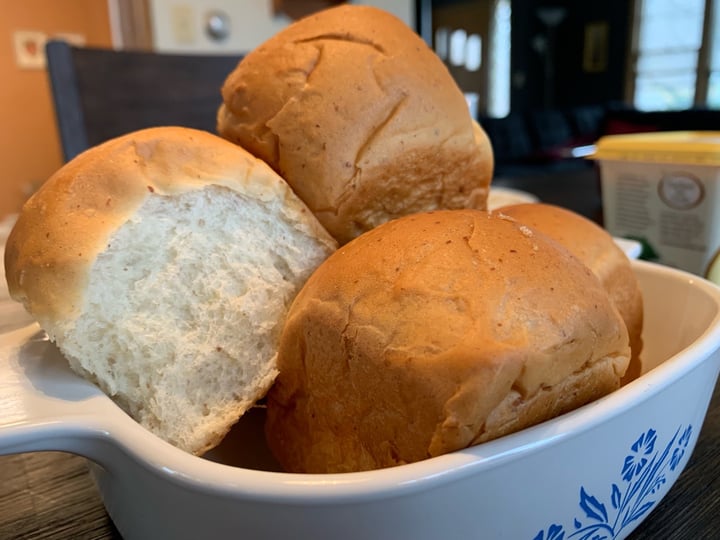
(162, 264)
(595, 247)
(434, 332)
(360, 116)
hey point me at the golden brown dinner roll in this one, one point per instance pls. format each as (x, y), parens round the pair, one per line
(360, 116)
(595, 247)
(434, 332)
(162, 264)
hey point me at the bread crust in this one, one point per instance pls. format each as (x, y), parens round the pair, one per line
(434, 332)
(595, 247)
(363, 120)
(69, 220)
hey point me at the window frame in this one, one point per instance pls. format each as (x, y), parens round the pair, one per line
(703, 70)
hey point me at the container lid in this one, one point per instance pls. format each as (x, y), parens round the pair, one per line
(693, 147)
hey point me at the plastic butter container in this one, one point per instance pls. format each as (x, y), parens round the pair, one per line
(663, 189)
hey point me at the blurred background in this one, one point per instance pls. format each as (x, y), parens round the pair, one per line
(546, 78)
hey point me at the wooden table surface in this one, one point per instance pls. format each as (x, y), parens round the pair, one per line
(50, 495)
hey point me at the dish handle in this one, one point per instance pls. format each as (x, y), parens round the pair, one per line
(44, 405)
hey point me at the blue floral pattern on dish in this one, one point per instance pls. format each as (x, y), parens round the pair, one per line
(643, 474)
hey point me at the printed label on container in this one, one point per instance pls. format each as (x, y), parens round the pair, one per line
(672, 209)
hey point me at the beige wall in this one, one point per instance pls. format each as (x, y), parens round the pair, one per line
(251, 22)
(29, 144)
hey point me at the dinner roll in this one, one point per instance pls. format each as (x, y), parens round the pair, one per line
(162, 264)
(595, 247)
(434, 332)
(360, 116)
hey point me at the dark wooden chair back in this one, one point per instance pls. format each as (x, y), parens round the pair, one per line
(99, 94)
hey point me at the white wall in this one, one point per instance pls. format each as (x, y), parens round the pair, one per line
(179, 25)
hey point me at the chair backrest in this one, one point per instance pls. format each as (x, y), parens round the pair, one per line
(99, 94)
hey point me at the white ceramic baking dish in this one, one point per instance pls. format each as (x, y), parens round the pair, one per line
(599, 469)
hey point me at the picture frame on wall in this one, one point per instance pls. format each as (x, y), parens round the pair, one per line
(595, 47)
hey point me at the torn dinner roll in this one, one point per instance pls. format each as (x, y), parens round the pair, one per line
(162, 264)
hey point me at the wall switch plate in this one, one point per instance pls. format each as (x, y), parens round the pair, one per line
(29, 48)
(183, 23)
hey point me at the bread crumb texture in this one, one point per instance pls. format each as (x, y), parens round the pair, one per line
(182, 311)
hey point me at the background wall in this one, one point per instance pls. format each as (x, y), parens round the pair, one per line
(178, 25)
(29, 145)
